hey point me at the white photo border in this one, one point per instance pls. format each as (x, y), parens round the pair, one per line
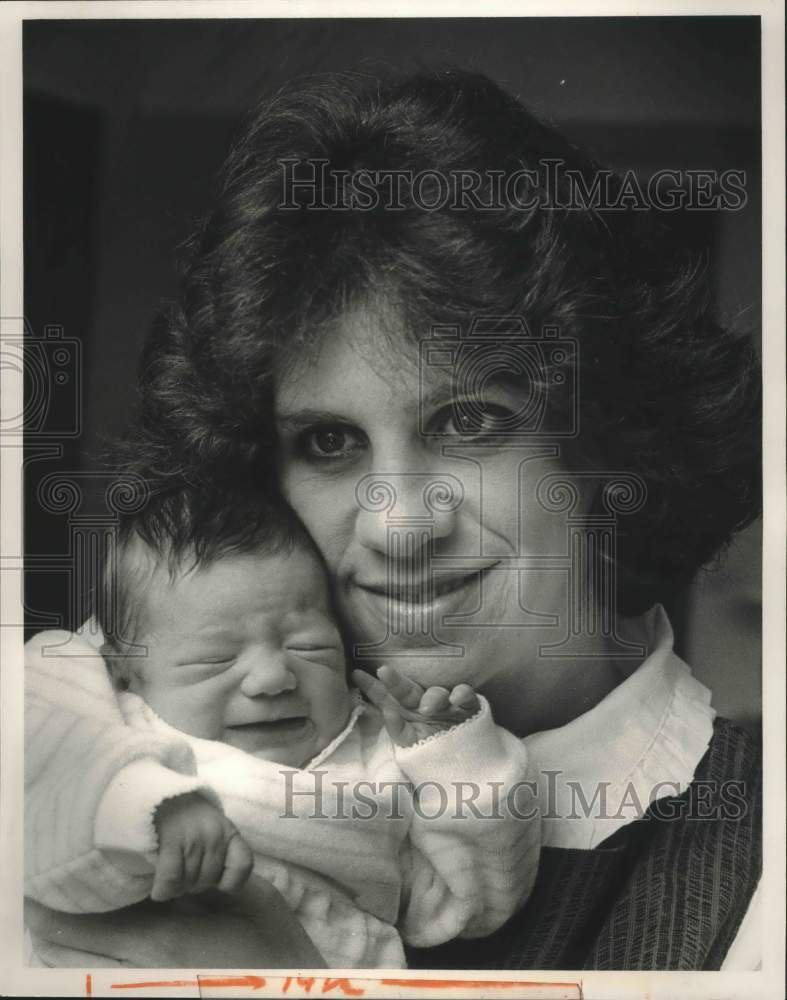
(16, 979)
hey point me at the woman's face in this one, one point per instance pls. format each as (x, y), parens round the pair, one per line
(425, 581)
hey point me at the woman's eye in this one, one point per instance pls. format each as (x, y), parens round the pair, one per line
(472, 421)
(330, 442)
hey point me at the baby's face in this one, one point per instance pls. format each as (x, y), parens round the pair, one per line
(245, 650)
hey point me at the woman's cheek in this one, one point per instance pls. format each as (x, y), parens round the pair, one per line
(327, 511)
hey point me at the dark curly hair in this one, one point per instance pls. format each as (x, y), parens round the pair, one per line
(666, 392)
(181, 527)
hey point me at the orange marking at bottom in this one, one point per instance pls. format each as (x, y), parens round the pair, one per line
(88, 985)
(347, 988)
(156, 982)
(255, 982)
(444, 984)
(305, 981)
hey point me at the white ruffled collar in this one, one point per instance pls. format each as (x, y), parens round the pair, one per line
(358, 709)
(642, 742)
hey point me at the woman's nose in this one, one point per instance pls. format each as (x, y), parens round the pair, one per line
(268, 676)
(415, 506)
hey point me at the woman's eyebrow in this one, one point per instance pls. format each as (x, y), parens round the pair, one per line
(451, 392)
(307, 417)
(438, 396)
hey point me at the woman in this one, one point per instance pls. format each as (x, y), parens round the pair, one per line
(510, 425)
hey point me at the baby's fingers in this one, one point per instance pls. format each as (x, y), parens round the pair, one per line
(238, 864)
(465, 698)
(207, 871)
(434, 701)
(379, 695)
(168, 877)
(395, 723)
(374, 689)
(405, 691)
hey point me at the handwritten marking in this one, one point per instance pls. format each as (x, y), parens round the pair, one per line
(88, 985)
(460, 984)
(344, 985)
(305, 981)
(155, 983)
(255, 982)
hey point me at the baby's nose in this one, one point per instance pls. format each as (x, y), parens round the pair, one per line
(268, 675)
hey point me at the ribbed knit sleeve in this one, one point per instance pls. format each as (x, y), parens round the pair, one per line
(472, 855)
(76, 741)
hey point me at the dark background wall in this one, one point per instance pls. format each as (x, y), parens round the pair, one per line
(126, 123)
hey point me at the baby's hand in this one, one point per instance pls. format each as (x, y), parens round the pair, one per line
(412, 713)
(198, 848)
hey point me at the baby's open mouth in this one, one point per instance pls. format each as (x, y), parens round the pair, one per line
(274, 732)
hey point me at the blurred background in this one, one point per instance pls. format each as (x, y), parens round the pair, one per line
(126, 123)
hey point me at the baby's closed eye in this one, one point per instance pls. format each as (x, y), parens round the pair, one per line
(332, 655)
(204, 667)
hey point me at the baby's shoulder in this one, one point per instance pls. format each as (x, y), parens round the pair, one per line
(57, 647)
(63, 669)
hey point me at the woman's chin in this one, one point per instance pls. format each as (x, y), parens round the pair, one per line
(426, 659)
(417, 641)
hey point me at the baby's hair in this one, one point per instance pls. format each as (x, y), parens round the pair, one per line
(182, 527)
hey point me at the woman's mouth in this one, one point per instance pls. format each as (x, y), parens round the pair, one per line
(416, 605)
(421, 591)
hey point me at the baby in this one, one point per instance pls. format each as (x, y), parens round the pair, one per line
(229, 717)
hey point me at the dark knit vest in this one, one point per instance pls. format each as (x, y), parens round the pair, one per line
(666, 892)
